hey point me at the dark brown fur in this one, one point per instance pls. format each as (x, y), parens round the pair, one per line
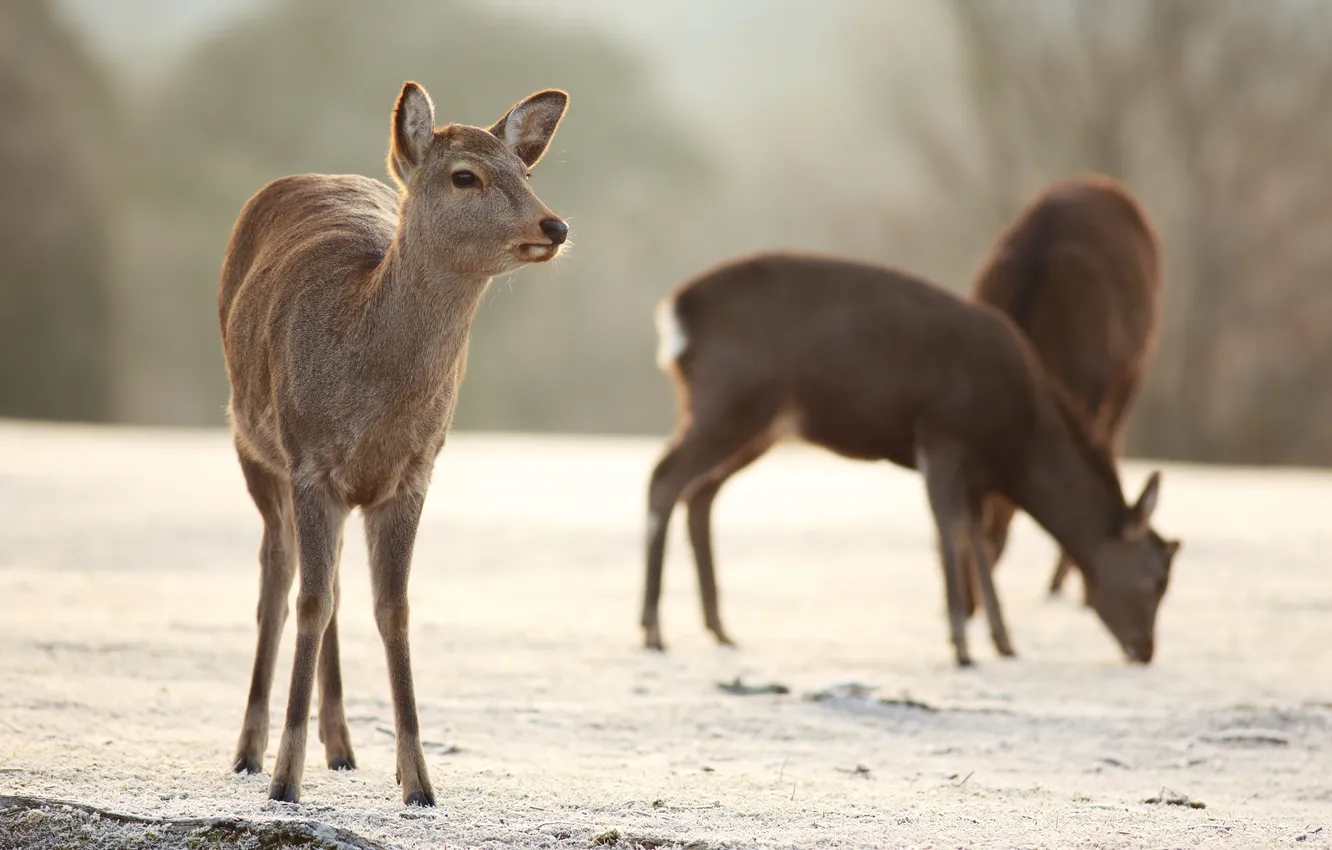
(874, 364)
(345, 309)
(1079, 272)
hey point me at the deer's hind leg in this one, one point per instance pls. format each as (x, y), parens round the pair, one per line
(277, 563)
(711, 438)
(699, 512)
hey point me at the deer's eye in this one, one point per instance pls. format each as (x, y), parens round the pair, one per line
(464, 179)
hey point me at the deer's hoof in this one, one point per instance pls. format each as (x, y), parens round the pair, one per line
(346, 762)
(652, 639)
(247, 765)
(421, 798)
(723, 639)
(964, 662)
(285, 792)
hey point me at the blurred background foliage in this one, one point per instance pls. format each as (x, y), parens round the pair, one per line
(904, 131)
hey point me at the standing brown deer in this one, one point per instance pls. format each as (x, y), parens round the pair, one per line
(1079, 272)
(876, 365)
(345, 309)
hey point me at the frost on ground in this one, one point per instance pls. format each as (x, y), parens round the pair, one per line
(129, 577)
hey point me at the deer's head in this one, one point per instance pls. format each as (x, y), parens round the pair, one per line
(465, 190)
(1129, 577)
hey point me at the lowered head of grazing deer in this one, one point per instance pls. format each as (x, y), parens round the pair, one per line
(345, 310)
(874, 364)
(1125, 573)
(1078, 271)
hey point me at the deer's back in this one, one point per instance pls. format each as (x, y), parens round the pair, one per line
(297, 267)
(1078, 272)
(861, 356)
(305, 230)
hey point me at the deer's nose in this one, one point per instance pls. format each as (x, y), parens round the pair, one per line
(1142, 650)
(556, 231)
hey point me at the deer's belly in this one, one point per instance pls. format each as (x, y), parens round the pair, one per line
(859, 436)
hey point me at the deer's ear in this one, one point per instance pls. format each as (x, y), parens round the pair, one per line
(1140, 515)
(413, 130)
(529, 125)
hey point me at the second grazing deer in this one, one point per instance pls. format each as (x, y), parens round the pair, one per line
(874, 364)
(345, 308)
(1079, 272)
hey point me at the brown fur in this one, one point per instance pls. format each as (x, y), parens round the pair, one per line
(345, 308)
(874, 364)
(1079, 272)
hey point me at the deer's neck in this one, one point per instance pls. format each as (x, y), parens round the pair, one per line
(419, 314)
(1068, 492)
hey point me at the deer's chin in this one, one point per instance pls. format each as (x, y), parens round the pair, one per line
(534, 252)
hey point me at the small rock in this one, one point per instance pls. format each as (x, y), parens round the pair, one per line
(1247, 738)
(1172, 798)
(739, 688)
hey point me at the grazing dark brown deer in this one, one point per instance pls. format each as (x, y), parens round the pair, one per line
(345, 309)
(874, 364)
(1078, 272)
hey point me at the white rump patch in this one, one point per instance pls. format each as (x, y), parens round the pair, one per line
(671, 339)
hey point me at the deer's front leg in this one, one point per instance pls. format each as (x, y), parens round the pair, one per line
(984, 572)
(319, 519)
(332, 717)
(277, 558)
(390, 530)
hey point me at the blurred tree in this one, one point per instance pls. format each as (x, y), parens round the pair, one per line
(57, 157)
(1219, 114)
(308, 85)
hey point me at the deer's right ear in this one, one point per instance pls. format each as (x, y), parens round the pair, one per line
(413, 130)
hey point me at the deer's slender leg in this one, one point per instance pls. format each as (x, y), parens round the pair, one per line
(319, 518)
(945, 486)
(708, 442)
(699, 511)
(277, 562)
(984, 573)
(996, 517)
(1062, 566)
(333, 730)
(390, 530)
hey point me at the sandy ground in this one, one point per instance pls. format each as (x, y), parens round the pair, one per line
(128, 580)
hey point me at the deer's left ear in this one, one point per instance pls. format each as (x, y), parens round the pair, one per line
(527, 127)
(1140, 515)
